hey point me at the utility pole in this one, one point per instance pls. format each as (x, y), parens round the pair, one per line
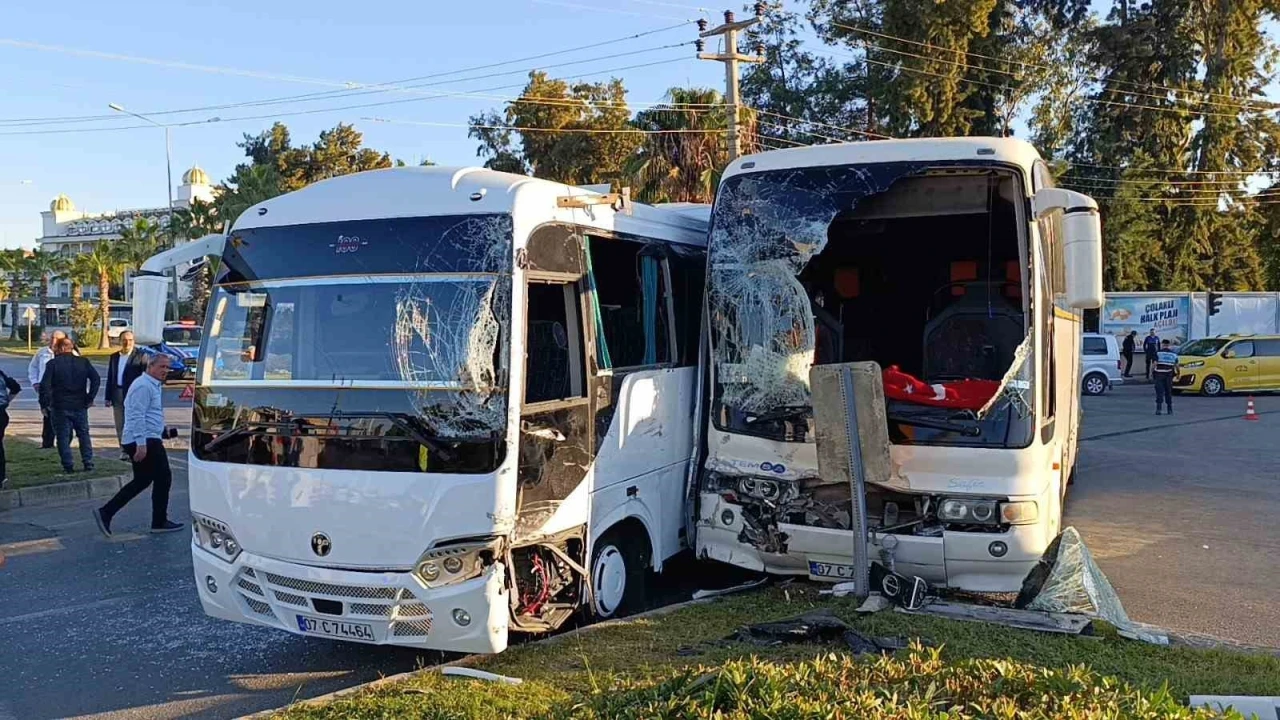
(168, 172)
(731, 57)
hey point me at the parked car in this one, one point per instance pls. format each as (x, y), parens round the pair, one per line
(181, 341)
(1229, 363)
(1101, 363)
(115, 326)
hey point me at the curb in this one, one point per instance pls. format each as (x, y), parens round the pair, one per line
(61, 492)
(471, 659)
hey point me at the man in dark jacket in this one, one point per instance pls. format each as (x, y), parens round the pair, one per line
(1151, 348)
(69, 385)
(123, 368)
(1127, 350)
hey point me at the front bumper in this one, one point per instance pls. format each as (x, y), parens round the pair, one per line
(397, 606)
(958, 560)
(1186, 381)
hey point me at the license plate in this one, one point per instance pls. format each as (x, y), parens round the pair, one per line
(830, 570)
(335, 628)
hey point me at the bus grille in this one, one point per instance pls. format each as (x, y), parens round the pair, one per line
(311, 587)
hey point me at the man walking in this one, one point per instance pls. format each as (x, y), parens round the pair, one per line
(143, 439)
(1127, 350)
(125, 366)
(35, 372)
(68, 388)
(1166, 369)
(1151, 348)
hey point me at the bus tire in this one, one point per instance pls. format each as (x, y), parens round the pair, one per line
(619, 570)
(1212, 386)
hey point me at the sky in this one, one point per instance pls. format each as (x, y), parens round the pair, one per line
(245, 50)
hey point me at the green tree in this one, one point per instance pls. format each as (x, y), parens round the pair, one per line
(41, 264)
(192, 223)
(680, 166)
(583, 135)
(13, 266)
(248, 186)
(108, 260)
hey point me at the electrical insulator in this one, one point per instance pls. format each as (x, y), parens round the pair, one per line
(728, 16)
(700, 44)
(702, 24)
(760, 49)
(760, 8)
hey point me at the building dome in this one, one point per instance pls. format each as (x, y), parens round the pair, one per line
(62, 203)
(195, 176)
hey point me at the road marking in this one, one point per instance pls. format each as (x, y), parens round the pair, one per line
(69, 610)
(31, 547)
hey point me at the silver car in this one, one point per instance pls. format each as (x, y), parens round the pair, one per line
(1101, 363)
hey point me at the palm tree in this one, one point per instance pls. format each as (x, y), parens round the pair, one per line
(255, 184)
(108, 260)
(138, 242)
(13, 266)
(80, 270)
(681, 166)
(40, 265)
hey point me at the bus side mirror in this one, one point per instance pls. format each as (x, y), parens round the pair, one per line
(1081, 243)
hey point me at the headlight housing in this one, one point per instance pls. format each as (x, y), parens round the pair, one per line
(451, 564)
(214, 537)
(1193, 364)
(987, 511)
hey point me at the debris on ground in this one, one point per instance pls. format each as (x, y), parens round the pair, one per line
(702, 594)
(910, 593)
(472, 673)
(818, 627)
(1066, 623)
(874, 603)
(1067, 580)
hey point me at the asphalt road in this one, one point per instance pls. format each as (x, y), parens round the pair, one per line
(113, 629)
(1181, 511)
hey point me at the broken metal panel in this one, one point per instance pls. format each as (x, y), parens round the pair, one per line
(1045, 621)
(867, 394)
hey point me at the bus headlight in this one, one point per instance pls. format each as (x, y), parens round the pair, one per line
(451, 564)
(214, 537)
(1025, 512)
(968, 510)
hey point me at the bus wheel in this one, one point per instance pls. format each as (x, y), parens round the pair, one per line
(1212, 386)
(619, 572)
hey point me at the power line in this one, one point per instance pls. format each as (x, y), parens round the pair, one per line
(527, 100)
(533, 128)
(311, 97)
(603, 8)
(815, 123)
(1170, 171)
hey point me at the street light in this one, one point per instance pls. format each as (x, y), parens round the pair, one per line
(168, 172)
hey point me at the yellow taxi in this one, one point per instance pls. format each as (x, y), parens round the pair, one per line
(1229, 363)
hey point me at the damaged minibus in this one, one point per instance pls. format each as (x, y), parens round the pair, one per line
(957, 267)
(434, 406)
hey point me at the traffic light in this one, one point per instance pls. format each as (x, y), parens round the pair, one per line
(1215, 303)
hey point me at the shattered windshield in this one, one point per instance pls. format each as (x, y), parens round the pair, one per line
(920, 271)
(392, 330)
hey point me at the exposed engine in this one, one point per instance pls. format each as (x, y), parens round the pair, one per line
(547, 581)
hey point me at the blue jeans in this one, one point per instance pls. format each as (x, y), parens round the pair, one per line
(64, 421)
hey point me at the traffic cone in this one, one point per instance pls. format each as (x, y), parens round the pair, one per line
(1250, 413)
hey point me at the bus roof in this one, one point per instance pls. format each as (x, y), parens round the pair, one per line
(432, 191)
(1009, 150)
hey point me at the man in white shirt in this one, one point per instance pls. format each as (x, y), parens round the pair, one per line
(35, 373)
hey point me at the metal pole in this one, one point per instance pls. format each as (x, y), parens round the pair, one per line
(168, 172)
(28, 333)
(731, 92)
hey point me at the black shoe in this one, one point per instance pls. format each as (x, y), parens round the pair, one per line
(103, 523)
(168, 527)
(1158, 411)
(69, 471)
(88, 468)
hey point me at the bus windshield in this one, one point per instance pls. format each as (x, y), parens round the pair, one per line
(924, 273)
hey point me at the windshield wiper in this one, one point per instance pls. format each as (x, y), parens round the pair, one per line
(404, 422)
(966, 430)
(785, 412)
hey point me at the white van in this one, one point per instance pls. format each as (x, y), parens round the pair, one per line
(1102, 367)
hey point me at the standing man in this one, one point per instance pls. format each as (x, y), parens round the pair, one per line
(68, 388)
(143, 439)
(1166, 369)
(1127, 350)
(1151, 348)
(9, 388)
(35, 372)
(125, 366)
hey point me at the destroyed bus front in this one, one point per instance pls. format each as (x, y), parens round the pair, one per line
(931, 270)
(349, 442)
